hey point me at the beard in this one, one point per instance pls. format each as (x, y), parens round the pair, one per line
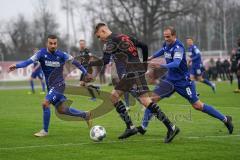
(52, 50)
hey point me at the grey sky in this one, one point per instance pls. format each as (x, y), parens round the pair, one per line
(10, 9)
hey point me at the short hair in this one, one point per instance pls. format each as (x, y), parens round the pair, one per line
(189, 37)
(52, 36)
(172, 29)
(238, 41)
(98, 26)
(82, 40)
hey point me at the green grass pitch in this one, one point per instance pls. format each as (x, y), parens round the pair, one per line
(201, 136)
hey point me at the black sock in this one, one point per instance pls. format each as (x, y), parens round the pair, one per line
(92, 86)
(239, 83)
(231, 79)
(121, 109)
(91, 92)
(153, 107)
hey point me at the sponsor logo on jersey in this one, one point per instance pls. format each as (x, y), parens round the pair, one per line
(52, 63)
(167, 55)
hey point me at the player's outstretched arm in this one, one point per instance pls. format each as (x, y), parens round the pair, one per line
(175, 64)
(156, 54)
(79, 66)
(101, 62)
(20, 65)
(87, 77)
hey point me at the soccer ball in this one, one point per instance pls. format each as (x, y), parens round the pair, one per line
(97, 133)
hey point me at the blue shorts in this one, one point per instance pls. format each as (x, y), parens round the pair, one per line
(196, 71)
(185, 88)
(55, 97)
(37, 75)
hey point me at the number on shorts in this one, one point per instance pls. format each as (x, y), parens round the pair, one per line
(189, 92)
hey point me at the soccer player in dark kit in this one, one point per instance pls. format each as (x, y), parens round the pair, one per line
(122, 49)
(84, 55)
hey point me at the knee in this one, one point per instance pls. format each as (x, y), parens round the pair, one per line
(145, 101)
(192, 78)
(45, 104)
(155, 98)
(114, 97)
(61, 109)
(198, 106)
(200, 79)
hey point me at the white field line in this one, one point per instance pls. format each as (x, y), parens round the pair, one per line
(189, 105)
(110, 142)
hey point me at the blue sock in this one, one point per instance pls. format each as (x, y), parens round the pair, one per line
(74, 112)
(207, 82)
(213, 112)
(146, 118)
(43, 86)
(126, 97)
(32, 85)
(46, 118)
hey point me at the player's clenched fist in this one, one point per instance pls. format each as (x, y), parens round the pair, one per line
(12, 68)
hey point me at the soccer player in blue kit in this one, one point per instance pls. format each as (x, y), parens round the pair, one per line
(178, 76)
(196, 69)
(37, 73)
(52, 62)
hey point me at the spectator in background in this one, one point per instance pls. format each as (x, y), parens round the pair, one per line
(212, 70)
(234, 65)
(226, 68)
(219, 68)
(1, 75)
(238, 67)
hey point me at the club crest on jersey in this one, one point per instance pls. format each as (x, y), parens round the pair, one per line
(52, 63)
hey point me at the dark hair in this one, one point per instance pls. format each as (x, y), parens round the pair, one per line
(82, 40)
(172, 29)
(189, 37)
(98, 26)
(238, 42)
(52, 36)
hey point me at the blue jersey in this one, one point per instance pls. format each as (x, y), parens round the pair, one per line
(52, 65)
(52, 62)
(174, 52)
(38, 69)
(195, 55)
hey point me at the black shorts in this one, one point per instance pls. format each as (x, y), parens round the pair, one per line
(234, 70)
(133, 82)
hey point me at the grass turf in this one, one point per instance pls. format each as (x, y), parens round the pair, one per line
(201, 136)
